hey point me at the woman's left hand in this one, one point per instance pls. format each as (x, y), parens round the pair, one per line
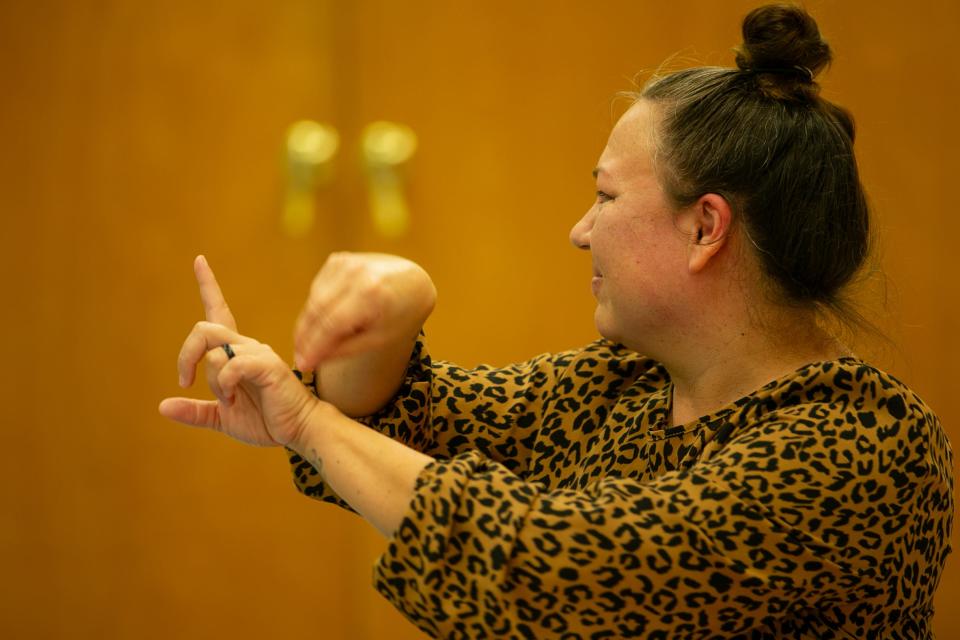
(259, 399)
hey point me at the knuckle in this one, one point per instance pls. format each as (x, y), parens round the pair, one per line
(337, 258)
(352, 265)
(349, 327)
(312, 309)
(376, 287)
(204, 326)
(325, 325)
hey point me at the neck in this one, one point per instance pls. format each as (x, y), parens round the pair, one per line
(719, 369)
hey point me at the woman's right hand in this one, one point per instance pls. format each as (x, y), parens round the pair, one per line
(361, 303)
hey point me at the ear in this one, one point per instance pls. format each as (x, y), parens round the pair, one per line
(708, 223)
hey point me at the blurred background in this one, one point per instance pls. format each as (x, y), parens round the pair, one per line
(136, 134)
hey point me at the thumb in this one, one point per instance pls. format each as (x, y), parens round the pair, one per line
(196, 413)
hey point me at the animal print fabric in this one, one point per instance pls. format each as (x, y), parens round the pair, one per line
(562, 505)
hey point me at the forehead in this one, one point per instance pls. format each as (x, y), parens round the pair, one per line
(631, 143)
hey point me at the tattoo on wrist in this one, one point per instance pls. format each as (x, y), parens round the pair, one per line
(316, 461)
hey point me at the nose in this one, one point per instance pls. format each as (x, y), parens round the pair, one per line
(580, 233)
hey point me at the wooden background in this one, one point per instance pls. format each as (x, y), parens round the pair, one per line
(135, 134)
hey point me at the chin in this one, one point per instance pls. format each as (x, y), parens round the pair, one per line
(614, 332)
(605, 326)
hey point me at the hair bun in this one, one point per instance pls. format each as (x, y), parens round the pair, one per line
(783, 40)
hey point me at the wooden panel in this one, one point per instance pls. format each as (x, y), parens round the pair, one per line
(136, 135)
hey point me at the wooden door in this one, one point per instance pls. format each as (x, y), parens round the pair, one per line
(138, 134)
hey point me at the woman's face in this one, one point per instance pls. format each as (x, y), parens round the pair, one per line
(639, 254)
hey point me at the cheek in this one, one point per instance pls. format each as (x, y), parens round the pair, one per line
(648, 277)
(638, 245)
(616, 235)
(642, 255)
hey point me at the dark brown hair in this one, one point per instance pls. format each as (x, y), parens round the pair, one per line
(762, 137)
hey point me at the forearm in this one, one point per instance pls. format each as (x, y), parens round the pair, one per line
(361, 384)
(359, 326)
(372, 473)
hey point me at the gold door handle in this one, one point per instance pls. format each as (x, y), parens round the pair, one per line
(310, 147)
(387, 146)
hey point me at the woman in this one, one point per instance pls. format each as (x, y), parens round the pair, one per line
(746, 476)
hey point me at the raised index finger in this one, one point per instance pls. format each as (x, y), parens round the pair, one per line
(214, 304)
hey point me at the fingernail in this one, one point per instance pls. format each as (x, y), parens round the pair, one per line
(183, 383)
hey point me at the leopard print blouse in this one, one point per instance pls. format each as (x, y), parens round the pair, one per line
(561, 504)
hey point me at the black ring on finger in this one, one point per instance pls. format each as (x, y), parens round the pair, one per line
(226, 347)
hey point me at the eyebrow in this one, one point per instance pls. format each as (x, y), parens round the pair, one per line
(597, 171)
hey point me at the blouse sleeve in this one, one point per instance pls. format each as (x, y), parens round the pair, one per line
(443, 410)
(774, 521)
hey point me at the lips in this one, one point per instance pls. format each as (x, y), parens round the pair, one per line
(595, 283)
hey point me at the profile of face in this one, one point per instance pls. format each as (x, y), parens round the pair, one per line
(640, 253)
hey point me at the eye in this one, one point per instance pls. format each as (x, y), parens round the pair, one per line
(603, 197)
